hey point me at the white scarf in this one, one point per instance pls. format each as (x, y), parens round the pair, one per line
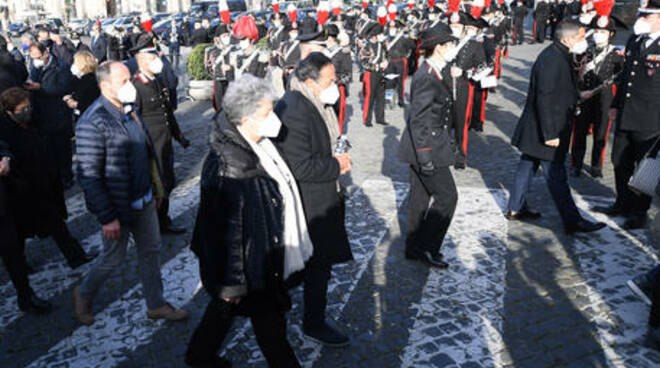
(298, 246)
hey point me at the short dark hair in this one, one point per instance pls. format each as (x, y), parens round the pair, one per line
(566, 28)
(310, 67)
(12, 97)
(39, 46)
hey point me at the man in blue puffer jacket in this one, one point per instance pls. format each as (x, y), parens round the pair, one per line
(122, 185)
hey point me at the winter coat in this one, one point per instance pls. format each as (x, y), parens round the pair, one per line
(51, 114)
(85, 91)
(239, 226)
(305, 143)
(12, 72)
(34, 183)
(550, 106)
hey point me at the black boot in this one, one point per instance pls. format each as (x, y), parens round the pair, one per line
(209, 335)
(28, 302)
(74, 253)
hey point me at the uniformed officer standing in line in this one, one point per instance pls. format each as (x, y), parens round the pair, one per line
(289, 53)
(470, 57)
(399, 47)
(277, 32)
(155, 108)
(426, 147)
(219, 64)
(337, 50)
(519, 13)
(541, 18)
(373, 58)
(637, 114)
(597, 75)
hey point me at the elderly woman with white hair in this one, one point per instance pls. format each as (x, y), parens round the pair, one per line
(250, 235)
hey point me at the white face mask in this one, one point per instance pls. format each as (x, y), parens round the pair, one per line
(450, 55)
(432, 17)
(641, 27)
(329, 95)
(457, 32)
(156, 65)
(225, 40)
(471, 32)
(269, 127)
(392, 32)
(601, 38)
(127, 93)
(38, 63)
(381, 38)
(580, 47)
(244, 44)
(10, 47)
(76, 71)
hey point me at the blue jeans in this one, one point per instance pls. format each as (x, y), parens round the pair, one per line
(555, 177)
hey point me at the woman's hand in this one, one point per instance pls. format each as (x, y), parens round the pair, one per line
(73, 104)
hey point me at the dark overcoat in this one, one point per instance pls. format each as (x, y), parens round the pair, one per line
(550, 106)
(304, 142)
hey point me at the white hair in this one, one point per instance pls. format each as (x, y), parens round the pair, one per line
(244, 95)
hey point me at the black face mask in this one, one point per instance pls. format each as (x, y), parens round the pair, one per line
(24, 116)
(47, 43)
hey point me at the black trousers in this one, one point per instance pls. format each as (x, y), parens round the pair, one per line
(268, 323)
(463, 111)
(219, 88)
(540, 29)
(478, 117)
(12, 253)
(317, 275)
(592, 113)
(519, 32)
(654, 318)
(628, 150)
(373, 90)
(400, 67)
(431, 207)
(61, 147)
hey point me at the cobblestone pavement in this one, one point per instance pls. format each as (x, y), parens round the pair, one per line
(515, 295)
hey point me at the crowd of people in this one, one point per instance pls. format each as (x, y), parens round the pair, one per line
(271, 213)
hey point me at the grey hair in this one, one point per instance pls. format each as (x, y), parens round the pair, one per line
(243, 96)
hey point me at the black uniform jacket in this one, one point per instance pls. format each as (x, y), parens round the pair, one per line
(550, 106)
(426, 137)
(639, 88)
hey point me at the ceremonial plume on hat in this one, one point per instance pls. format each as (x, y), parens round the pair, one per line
(453, 8)
(603, 9)
(322, 12)
(223, 10)
(382, 15)
(411, 4)
(391, 11)
(146, 22)
(245, 27)
(336, 7)
(476, 8)
(292, 12)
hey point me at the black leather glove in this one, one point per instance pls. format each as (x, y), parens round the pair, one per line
(427, 169)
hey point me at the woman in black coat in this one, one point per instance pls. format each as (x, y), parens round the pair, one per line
(427, 147)
(35, 187)
(240, 234)
(85, 87)
(307, 141)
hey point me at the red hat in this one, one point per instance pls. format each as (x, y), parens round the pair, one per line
(245, 27)
(431, 3)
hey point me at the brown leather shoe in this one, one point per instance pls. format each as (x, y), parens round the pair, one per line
(167, 312)
(82, 308)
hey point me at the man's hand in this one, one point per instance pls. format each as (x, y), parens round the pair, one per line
(5, 166)
(383, 64)
(552, 142)
(456, 72)
(614, 114)
(427, 169)
(344, 163)
(585, 95)
(232, 300)
(226, 67)
(112, 230)
(32, 86)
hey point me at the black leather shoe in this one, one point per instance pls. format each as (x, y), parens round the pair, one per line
(368, 125)
(613, 210)
(170, 228)
(459, 166)
(31, 303)
(384, 123)
(428, 258)
(635, 222)
(326, 335)
(525, 214)
(653, 338)
(583, 226)
(596, 172)
(215, 362)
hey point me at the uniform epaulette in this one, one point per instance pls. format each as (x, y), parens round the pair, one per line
(141, 77)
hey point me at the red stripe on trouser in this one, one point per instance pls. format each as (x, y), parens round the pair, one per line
(498, 52)
(513, 36)
(342, 107)
(484, 95)
(213, 97)
(573, 137)
(366, 86)
(602, 152)
(534, 33)
(468, 117)
(403, 81)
